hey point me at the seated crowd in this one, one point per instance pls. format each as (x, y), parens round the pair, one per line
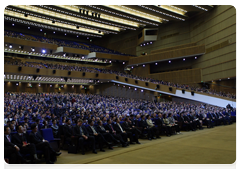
(119, 73)
(91, 122)
(92, 48)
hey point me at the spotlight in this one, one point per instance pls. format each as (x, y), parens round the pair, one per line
(135, 89)
(28, 27)
(65, 34)
(33, 49)
(183, 59)
(110, 61)
(40, 29)
(82, 57)
(12, 24)
(228, 77)
(123, 62)
(169, 61)
(39, 85)
(156, 64)
(43, 51)
(10, 46)
(150, 42)
(132, 67)
(141, 90)
(53, 32)
(16, 84)
(50, 85)
(144, 44)
(141, 45)
(143, 65)
(195, 57)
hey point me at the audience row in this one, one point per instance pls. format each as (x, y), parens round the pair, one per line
(65, 43)
(119, 73)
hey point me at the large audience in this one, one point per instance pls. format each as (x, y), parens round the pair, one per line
(119, 73)
(65, 43)
(106, 120)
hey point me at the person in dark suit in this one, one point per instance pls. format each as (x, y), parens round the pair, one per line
(127, 126)
(188, 122)
(106, 133)
(98, 136)
(81, 132)
(11, 151)
(164, 127)
(20, 140)
(41, 144)
(144, 126)
(222, 118)
(119, 130)
(67, 131)
(112, 131)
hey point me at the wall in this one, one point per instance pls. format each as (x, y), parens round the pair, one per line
(183, 37)
(217, 26)
(224, 85)
(216, 29)
(120, 91)
(124, 42)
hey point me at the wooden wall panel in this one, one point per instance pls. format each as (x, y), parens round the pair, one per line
(181, 77)
(168, 55)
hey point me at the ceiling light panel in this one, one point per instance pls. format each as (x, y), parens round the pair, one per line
(166, 7)
(135, 12)
(173, 9)
(44, 21)
(66, 17)
(103, 16)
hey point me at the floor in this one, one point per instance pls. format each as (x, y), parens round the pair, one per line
(209, 146)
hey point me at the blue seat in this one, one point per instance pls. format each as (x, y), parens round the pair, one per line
(47, 134)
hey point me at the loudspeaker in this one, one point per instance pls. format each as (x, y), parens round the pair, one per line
(97, 75)
(54, 71)
(126, 79)
(25, 15)
(146, 83)
(83, 74)
(136, 81)
(158, 86)
(77, 27)
(34, 77)
(69, 72)
(183, 91)
(38, 70)
(192, 92)
(19, 68)
(65, 78)
(99, 31)
(53, 22)
(170, 88)
(117, 77)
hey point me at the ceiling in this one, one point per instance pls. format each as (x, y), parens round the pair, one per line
(100, 20)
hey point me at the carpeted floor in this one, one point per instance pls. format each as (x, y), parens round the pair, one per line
(209, 146)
